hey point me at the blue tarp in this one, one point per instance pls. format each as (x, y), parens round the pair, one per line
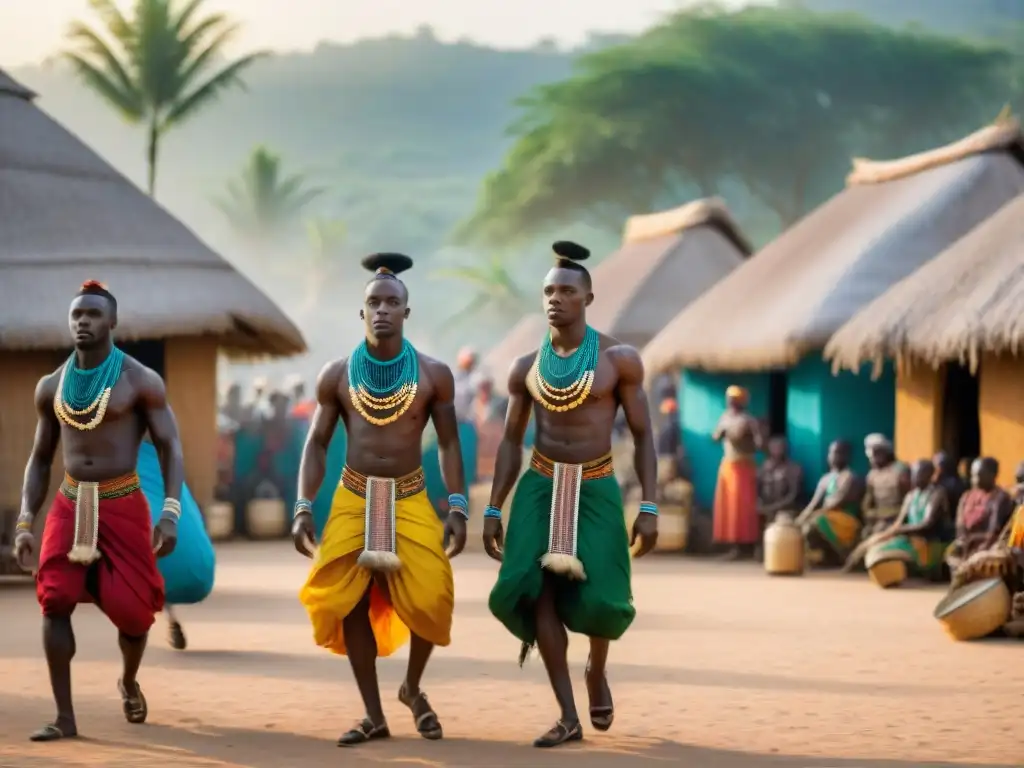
(189, 570)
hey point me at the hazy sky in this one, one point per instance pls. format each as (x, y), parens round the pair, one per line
(30, 30)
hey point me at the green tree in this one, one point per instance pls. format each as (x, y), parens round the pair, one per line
(492, 292)
(157, 66)
(264, 203)
(327, 244)
(777, 100)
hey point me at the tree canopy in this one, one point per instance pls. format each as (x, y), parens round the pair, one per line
(775, 100)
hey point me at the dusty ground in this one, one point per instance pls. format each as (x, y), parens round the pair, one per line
(724, 667)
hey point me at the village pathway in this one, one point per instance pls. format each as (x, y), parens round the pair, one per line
(724, 668)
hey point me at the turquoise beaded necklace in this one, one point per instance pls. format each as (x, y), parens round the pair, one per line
(383, 377)
(82, 387)
(563, 372)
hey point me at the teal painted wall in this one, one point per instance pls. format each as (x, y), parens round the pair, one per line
(701, 403)
(821, 408)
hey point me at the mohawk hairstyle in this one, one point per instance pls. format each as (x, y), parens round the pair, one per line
(568, 255)
(96, 288)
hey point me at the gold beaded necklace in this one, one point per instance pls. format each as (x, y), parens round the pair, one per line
(578, 369)
(377, 386)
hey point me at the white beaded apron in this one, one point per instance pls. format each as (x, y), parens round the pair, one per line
(379, 540)
(564, 525)
(85, 549)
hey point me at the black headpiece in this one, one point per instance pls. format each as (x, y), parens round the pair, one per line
(387, 266)
(569, 251)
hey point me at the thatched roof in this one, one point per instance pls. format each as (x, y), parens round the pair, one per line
(796, 292)
(966, 301)
(666, 261)
(524, 338)
(67, 216)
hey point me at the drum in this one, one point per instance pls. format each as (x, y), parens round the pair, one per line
(974, 610)
(265, 518)
(885, 567)
(783, 547)
(220, 520)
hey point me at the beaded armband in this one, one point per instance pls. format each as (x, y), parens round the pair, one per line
(302, 506)
(457, 503)
(492, 512)
(648, 508)
(172, 509)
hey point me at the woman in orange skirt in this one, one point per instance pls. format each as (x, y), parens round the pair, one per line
(735, 519)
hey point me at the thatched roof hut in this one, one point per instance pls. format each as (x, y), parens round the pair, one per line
(966, 302)
(67, 216)
(666, 261)
(524, 337)
(797, 291)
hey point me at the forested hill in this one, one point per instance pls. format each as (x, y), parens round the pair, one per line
(400, 129)
(973, 18)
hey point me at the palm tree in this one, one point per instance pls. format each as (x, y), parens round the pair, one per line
(263, 203)
(156, 66)
(327, 239)
(491, 287)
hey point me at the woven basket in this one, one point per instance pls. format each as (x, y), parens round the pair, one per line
(265, 518)
(974, 610)
(220, 520)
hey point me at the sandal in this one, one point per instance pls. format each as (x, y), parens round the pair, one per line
(427, 724)
(363, 732)
(602, 716)
(176, 637)
(51, 732)
(560, 733)
(134, 707)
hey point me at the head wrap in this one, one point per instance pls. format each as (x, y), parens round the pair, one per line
(737, 393)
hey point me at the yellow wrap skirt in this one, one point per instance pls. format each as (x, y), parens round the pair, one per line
(418, 597)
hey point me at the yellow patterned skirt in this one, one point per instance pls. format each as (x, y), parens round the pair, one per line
(418, 597)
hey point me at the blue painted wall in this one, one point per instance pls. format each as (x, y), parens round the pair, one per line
(701, 403)
(821, 408)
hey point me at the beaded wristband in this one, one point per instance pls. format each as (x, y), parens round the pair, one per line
(457, 503)
(302, 506)
(648, 508)
(492, 512)
(172, 508)
(23, 525)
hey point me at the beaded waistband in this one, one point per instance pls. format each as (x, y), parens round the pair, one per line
(406, 486)
(596, 469)
(108, 489)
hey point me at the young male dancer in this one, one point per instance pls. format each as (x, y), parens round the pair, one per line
(99, 544)
(381, 572)
(566, 561)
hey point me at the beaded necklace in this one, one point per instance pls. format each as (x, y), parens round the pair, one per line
(563, 383)
(383, 385)
(82, 391)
